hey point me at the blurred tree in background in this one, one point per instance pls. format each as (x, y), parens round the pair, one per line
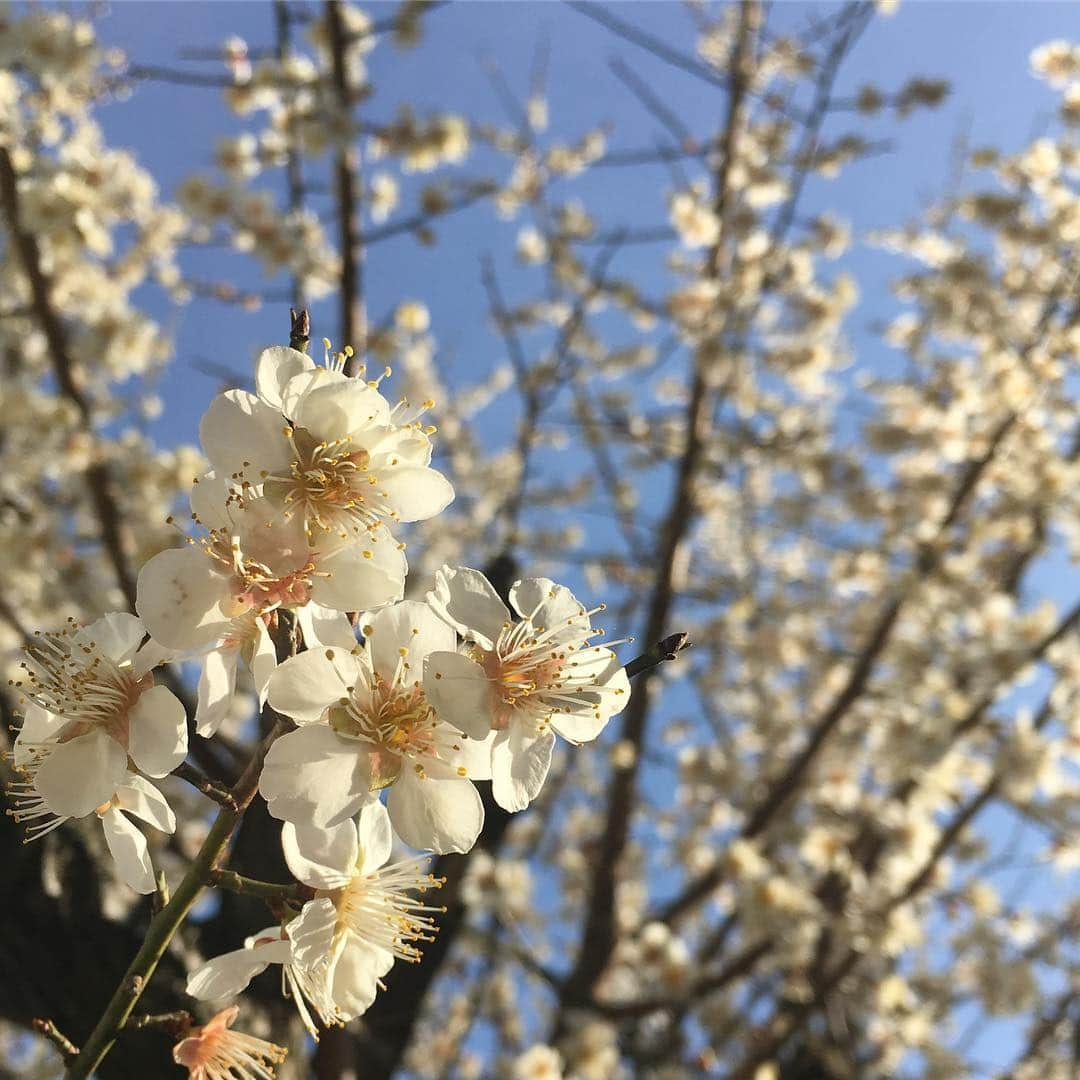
(780, 859)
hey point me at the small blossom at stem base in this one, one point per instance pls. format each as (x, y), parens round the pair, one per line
(214, 1052)
(365, 914)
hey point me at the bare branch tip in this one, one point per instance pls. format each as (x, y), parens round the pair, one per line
(44, 1026)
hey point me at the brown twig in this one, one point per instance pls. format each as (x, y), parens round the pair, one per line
(299, 329)
(294, 175)
(62, 1043)
(660, 653)
(352, 318)
(598, 934)
(209, 788)
(68, 378)
(177, 1024)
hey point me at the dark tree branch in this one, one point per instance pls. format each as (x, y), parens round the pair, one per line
(598, 932)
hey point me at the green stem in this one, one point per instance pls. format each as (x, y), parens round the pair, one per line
(263, 890)
(165, 924)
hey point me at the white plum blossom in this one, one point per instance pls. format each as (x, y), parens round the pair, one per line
(92, 706)
(365, 914)
(126, 843)
(525, 680)
(365, 723)
(227, 975)
(254, 560)
(249, 640)
(216, 596)
(323, 447)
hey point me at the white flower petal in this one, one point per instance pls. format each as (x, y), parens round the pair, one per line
(322, 626)
(271, 941)
(300, 384)
(475, 756)
(579, 727)
(226, 975)
(435, 815)
(314, 776)
(410, 625)
(217, 684)
(180, 599)
(157, 731)
(339, 409)
(263, 661)
(312, 932)
(128, 848)
(395, 445)
(465, 599)
(38, 726)
(356, 976)
(375, 838)
(362, 575)
(117, 635)
(305, 686)
(139, 797)
(273, 370)
(242, 434)
(415, 492)
(519, 767)
(323, 858)
(80, 775)
(585, 725)
(460, 692)
(152, 654)
(551, 604)
(209, 501)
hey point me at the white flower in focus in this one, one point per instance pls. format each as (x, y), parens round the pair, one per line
(227, 975)
(213, 1052)
(126, 843)
(324, 448)
(365, 724)
(251, 561)
(523, 680)
(96, 706)
(365, 914)
(249, 640)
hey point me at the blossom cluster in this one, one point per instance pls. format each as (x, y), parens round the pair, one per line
(311, 477)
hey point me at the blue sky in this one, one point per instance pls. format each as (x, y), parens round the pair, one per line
(982, 48)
